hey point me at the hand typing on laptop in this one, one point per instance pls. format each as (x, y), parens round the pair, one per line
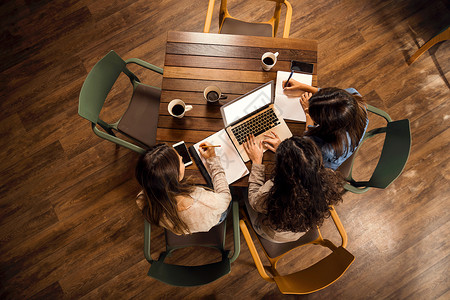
(272, 141)
(254, 149)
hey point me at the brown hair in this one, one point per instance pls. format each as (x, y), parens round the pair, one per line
(158, 171)
(302, 187)
(337, 113)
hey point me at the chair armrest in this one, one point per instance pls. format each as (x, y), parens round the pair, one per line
(147, 234)
(287, 22)
(209, 14)
(253, 252)
(116, 140)
(339, 227)
(236, 232)
(144, 64)
(379, 112)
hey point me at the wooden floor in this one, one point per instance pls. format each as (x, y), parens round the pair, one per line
(69, 227)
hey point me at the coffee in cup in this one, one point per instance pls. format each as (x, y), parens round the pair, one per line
(213, 94)
(177, 108)
(268, 60)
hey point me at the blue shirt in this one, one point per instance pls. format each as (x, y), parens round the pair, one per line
(330, 160)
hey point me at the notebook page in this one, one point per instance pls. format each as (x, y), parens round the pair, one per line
(229, 157)
(289, 105)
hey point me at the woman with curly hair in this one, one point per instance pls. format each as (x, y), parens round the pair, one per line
(336, 119)
(167, 201)
(298, 196)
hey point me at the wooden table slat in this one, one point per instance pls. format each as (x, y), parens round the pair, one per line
(240, 40)
(220, 75)
(240, 52)
(224, 63)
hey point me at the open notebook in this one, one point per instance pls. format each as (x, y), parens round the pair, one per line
(289, 105)
(231, 161)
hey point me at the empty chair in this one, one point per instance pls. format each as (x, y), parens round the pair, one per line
(311, 279)
(139, 122)
(393, 158)
(179, 275)
(231, 25)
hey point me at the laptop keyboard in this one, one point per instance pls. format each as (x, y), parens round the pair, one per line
(256, 125)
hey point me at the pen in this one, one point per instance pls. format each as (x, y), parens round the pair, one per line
(210, 146)
(287, 81)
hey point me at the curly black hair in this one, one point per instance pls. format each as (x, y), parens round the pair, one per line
(302, 188)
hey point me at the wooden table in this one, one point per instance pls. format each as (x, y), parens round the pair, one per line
(232, 62)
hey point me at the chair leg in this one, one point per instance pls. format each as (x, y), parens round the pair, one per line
(442, 36)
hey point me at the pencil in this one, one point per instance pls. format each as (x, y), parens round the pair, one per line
(287, 81)
(210, 146)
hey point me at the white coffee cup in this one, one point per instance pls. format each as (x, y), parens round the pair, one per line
(268, 60)
(213, 94)
(177, 108)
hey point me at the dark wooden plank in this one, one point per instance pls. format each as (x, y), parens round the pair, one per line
(245, 51)
(238, 40)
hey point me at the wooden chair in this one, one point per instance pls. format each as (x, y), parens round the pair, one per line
(231, 25)
(393, 158)
(179, 275)
(140, 120)
(311, 279)
(440, 37)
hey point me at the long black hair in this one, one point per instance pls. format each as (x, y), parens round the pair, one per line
(302, 188)
(337, 112)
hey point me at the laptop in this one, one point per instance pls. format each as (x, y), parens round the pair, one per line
(253, 113)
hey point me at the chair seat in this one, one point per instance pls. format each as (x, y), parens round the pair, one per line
(234, 26)
(141, 118)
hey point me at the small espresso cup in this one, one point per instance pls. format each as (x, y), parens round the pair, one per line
(268, 60)
(213, 94)
(177, 108)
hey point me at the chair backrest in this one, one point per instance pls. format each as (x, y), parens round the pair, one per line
(98, 84)
(393, 158)
(316, 277)
(179, 275)
(394, 155)
(236, 26)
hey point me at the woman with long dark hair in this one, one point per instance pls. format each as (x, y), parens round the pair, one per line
(336, 120)
(168, 201)
(298, 195)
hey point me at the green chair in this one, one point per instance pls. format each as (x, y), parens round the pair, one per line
(317, 276)
(139, 122)
(393, 158)
(179, 275)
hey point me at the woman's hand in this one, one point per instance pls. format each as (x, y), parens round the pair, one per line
(206, 152)
(304, 101)
(294, 85)
(272, 142)
(254, 150)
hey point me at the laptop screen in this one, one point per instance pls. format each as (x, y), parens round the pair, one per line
(247, 103)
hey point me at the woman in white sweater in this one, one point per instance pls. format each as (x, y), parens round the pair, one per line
(168, 201)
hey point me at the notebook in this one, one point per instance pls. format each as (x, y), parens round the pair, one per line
(289, 105)
(231, 161)
(253, 113)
